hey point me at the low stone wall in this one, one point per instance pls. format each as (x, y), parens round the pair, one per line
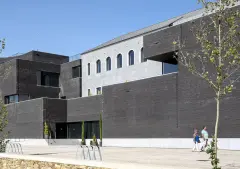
(12, 163)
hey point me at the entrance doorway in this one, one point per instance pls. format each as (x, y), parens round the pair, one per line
(61, 130)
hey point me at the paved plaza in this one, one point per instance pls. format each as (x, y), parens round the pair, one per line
(142, 157)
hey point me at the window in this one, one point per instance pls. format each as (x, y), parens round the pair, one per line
(74, 130)
(16, 98)
(38, 77)
(91, 128)
(11, 99)
(131, 57)
(108, 63)
(169, 68)
(89, 92)
(119, 61)
(99, 91)
(48, 79)
(88, 68)
(98, 66)
(142, 56)
(76, 71)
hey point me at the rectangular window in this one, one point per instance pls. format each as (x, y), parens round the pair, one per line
(89, 92)
(99, 90)
(11, 99)
(16, 98)
(91, 128)
(88, 68)
(74, 130)
(76, 71)
(39, 77)
(48, 79)
(169, 68)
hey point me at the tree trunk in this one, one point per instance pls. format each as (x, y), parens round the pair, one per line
(216, 127)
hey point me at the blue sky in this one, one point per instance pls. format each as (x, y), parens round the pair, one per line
(70, 27)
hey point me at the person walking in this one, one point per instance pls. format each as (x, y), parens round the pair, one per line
(205, 136)
(196, 140)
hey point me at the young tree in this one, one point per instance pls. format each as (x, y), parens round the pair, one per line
(100, 129)
(218, 60)
(3, 109)
(83, 136)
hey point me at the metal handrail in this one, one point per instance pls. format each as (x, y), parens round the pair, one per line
(90, 156)
(14, 148)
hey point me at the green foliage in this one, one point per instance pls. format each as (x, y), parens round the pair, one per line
(94, 141)
(3, 110)
(2, 45)
(83, 137)
(46, 130)
(213, 156)
(100, 126)
(3, 145)
(3, 125)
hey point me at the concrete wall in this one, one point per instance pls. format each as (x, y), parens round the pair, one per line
(70, 87)
(141, 109)
(25, 119)
(27, 79)
(116, 75)
(163, 111)
(161, 42)
(49, 58)
(44, 57)
(8, 75)
(55, 111)
(197, 107)
(84, 109)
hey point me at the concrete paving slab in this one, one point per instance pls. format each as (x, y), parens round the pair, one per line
(142, 157)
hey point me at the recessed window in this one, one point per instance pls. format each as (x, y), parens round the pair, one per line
(99, 90)
(169, 68)
(131, 57)
(98, 66)
(91, 129)
(11, 99)
(76, 71)
(108, 63)
(119, 61)
(142, 56)
(48, 79)
(89, 69)
(89, 92)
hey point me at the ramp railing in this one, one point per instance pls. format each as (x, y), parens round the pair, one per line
(89, 152)
(14, 148)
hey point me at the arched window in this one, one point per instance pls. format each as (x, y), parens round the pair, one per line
(119, 60)
(142, 56)
(108, 63)
(98, 66)
(131, 57)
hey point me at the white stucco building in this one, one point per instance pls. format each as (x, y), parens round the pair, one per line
(125, 63)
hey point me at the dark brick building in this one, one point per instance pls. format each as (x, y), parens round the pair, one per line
(160, 111)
